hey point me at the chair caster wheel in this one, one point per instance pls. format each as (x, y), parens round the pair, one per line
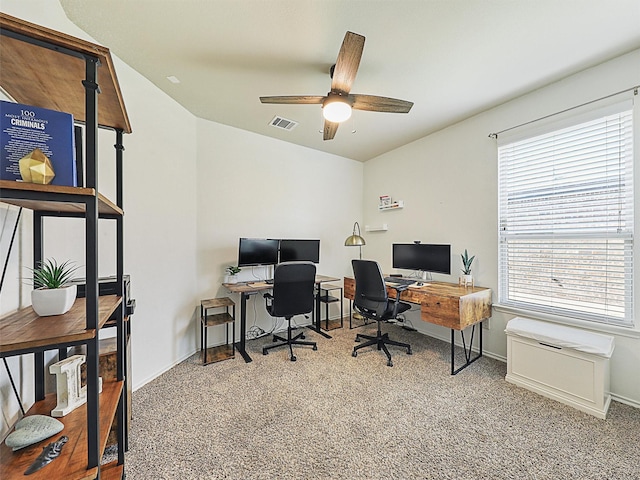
(389, 363)
(315, 347)
(409, 352)
(354, 354)
(265, 351)
(293, 358)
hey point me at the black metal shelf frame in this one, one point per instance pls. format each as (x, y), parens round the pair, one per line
(91, 217)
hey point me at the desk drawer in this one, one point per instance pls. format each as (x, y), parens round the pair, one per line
(349, 288)
(440, 310)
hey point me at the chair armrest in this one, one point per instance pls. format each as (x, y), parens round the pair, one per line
(399, 289)
(268, 299)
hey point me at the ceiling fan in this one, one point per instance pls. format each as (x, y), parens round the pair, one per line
(337, 104)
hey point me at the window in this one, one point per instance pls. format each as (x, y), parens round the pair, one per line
(566, 221)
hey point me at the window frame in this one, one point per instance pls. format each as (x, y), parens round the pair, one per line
(507, 300)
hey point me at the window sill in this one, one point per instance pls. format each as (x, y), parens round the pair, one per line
(632, 332)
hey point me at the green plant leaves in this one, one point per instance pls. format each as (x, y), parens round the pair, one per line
(48, 274)
(466, 262)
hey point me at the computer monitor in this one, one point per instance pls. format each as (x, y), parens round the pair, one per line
(300, 250)
(257, 251)
(424, 257)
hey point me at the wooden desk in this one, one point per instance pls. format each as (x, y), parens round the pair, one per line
(246, 289)
(445, 304)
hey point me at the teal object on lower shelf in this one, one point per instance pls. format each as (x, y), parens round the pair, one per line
(33, 429)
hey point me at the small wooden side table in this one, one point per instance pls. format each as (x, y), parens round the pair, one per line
(207, 319)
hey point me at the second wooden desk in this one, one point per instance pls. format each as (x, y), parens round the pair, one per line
(448, 305)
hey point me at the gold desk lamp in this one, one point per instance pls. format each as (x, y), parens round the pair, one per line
(355, 240)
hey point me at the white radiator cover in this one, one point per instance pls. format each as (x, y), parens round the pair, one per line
(566, 364)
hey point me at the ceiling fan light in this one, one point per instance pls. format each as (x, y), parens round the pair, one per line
(336, 111)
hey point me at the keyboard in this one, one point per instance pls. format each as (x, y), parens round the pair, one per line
(400, 280)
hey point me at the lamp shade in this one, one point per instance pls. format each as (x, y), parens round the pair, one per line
(336, 110)
(355, 240)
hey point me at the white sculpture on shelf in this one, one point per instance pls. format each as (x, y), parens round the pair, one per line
(70, 393)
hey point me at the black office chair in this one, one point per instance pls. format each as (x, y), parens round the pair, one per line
(372, 302)
(293, 294)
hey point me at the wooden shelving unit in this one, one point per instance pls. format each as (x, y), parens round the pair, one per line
(49, 69)
(213, 319)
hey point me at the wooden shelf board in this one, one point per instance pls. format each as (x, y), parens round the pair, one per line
(217, 302)
(72, 462)
(214, 319)
(217, 354)
(114, 323)
(111, 471)
(328, 299)
(49, 79)
(9, 193)
(25, 329)
(333, 324)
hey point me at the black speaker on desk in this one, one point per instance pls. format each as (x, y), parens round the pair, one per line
(109, 286)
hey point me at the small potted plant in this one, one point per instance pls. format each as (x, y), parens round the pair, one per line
(52, 292)
(466, 279)
(232, 274)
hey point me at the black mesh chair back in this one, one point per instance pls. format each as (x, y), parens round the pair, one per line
(293, 294)
(372, 301)
(293, 285)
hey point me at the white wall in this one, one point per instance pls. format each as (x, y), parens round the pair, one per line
(448, 181)
(160, 224)
(254, 186)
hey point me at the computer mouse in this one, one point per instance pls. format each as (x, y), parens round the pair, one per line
(419, 284)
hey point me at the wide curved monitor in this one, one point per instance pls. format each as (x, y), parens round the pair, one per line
(422, 256)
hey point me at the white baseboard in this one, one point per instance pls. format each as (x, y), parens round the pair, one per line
(157, 374)
(625, 400)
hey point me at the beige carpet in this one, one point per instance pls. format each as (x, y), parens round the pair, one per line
(332, 416)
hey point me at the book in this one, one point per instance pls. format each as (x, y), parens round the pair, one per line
(385, 200)
(37, 145)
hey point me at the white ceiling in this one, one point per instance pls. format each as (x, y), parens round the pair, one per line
(452, 58)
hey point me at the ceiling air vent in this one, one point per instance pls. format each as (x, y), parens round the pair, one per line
(283, 123)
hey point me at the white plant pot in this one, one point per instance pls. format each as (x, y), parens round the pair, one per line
(466, 280)
(53, 301)
(230, 279)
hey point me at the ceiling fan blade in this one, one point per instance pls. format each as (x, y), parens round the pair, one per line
(294, 99)
(374, 103)
(347, 63)
(330, 129)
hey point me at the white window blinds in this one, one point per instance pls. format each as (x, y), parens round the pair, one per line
(566, 221)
